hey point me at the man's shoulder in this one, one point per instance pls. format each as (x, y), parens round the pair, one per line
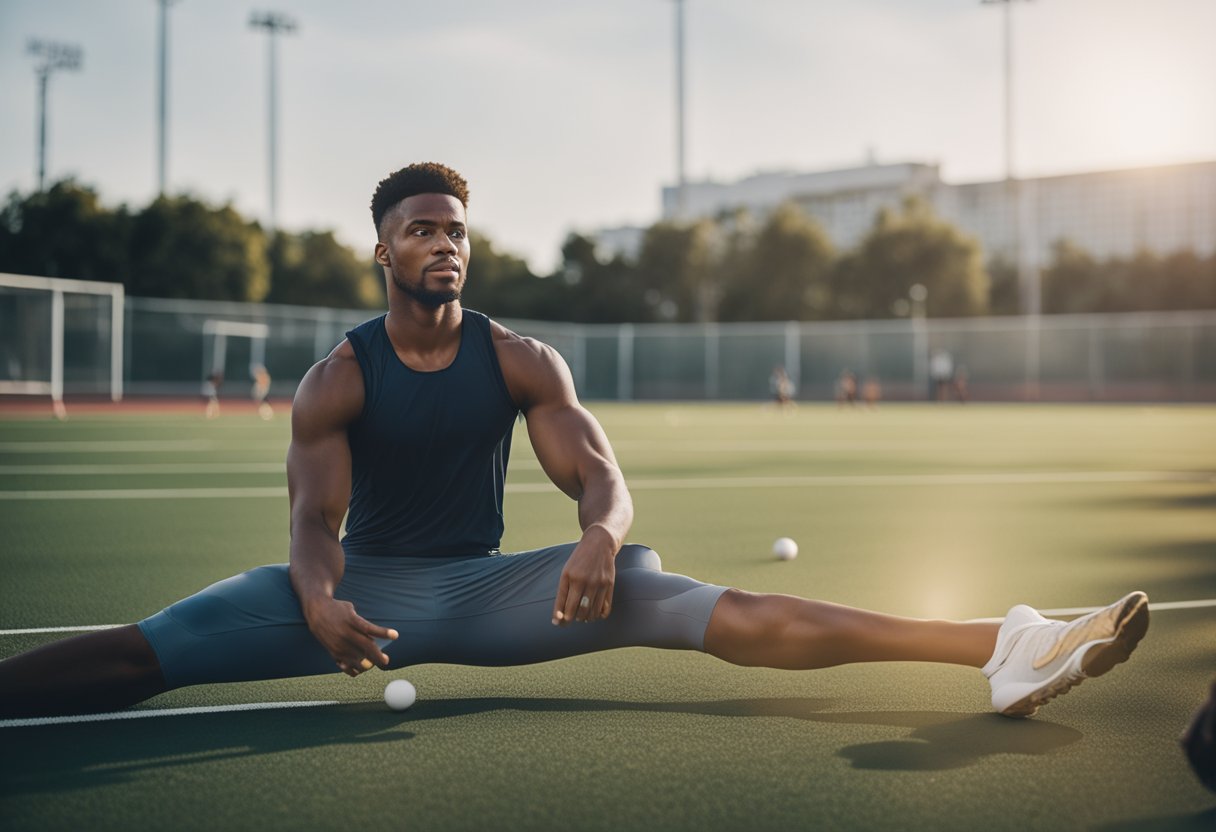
(521, 348)
(333, 388)
(532, 369)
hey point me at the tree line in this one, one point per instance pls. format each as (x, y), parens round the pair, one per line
(735, 267)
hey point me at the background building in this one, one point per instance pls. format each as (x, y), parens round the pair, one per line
(1108, 213)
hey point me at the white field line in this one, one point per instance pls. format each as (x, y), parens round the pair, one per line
(134, 445)
(748, 445)
(266, 706)
(150, 468)
(83, 628)
(992, 478)
(700, 445)
(147, 494)
(144, 714)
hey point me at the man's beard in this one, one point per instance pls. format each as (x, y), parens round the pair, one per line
(427, 297)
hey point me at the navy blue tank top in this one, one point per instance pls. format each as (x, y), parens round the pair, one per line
(429, 451)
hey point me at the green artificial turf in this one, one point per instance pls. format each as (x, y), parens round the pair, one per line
(916, 510)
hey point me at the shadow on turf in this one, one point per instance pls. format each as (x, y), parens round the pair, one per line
(76, 756)
(1201, 822)
(937, 740)
(1175, 571)
(67, 757)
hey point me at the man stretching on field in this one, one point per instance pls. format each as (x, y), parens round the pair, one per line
(407, 424)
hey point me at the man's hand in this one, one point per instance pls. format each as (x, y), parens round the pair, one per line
(347, 636)
(584, 591)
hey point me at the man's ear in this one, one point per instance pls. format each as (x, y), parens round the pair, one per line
(382, 254)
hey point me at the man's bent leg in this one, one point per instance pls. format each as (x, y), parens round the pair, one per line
(90, 673)
(799, 634)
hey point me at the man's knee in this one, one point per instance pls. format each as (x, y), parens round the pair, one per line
(636, 556)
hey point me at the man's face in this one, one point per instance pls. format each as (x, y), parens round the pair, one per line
(424, 245)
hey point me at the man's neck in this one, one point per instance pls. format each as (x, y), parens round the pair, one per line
(425, 337)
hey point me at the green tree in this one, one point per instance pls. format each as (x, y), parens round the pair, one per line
(64, 232)
(1075, 282)
(904, 248)
(501, 285)
(1004, 296)
(599, 290)
(184, 248)
(676, 267)
(781, 273)
(314, 269)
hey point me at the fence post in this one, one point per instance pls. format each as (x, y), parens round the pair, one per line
(624, 362)
(793, 353)
(712, 387)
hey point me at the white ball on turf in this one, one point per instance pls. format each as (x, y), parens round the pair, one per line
(399, 694)
(784, 548)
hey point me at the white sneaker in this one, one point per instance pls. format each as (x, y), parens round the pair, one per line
(1037, 659)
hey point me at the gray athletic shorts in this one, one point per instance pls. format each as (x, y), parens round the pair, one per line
(481, 610)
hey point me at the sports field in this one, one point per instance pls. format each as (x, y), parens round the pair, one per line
(918, 510)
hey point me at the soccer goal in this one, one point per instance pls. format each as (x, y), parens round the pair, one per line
(58, 334)
(219, 331)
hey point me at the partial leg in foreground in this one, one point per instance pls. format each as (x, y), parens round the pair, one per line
(91, 673)
(1028, 659)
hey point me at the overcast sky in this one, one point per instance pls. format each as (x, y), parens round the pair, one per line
(561, 112)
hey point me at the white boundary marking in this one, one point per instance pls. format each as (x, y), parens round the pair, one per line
(83, 628)
(150, 468)
(991, 478)
(266, 706)
(144, 714)
(135, 445)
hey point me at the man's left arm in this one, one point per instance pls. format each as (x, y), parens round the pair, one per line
(574, 452)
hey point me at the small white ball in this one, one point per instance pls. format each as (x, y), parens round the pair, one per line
(399, 694)
(784, 548)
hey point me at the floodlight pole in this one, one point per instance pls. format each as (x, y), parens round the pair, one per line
(162, 100)
(51, 56)
(681, 202)
(1029, 279)
(274, 24)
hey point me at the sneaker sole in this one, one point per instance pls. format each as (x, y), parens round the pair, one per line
(1093, 659)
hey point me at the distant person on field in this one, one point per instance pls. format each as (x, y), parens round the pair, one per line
(781, 387)
(941, 374)
(871, 392)
(211, 393)
(261, 392)
(405, 430)
(959, 383)
(846, 388)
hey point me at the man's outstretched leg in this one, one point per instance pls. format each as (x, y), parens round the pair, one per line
(1028, 659)
(91, 673)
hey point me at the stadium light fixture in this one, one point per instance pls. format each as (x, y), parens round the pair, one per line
(274, 24)
(49, 56)
(1029, 279)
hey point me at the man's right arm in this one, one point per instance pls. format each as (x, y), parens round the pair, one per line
(329, 398)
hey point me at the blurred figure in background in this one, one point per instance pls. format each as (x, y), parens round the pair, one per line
(846, 388)
(211, 393)
(941, 374)
(959, 384)
(781, 387)
(261, 392)
(871, 392)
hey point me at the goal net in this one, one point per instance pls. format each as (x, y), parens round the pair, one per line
(60, 336)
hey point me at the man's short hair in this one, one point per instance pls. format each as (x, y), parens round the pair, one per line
(419, 178)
